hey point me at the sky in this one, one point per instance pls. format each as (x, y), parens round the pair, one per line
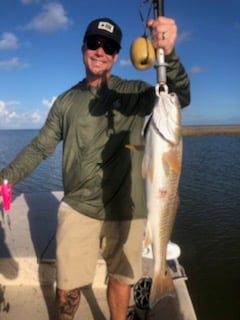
(40, 54)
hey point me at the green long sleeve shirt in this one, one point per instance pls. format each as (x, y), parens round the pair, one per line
(101, 177)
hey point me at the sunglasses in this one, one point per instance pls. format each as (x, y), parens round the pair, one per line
(108, 46)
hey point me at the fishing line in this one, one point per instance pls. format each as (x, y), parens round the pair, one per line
(147, 15)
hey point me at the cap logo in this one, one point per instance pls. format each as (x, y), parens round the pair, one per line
(106, 26)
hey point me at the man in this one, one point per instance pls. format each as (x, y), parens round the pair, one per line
(103, 204)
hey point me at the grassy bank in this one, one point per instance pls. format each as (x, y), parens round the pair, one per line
(211, 130)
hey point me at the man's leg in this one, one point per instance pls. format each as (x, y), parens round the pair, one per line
(76, 256)
(118, 295)
(67, 303)
(121, 247)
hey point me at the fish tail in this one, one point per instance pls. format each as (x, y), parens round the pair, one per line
(134, 147)
(162, 286)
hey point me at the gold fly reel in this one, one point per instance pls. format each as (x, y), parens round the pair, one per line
(142, 53)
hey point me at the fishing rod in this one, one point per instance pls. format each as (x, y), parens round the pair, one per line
(158, 7)
(142, 52)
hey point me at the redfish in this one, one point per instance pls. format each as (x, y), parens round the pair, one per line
(161, 171)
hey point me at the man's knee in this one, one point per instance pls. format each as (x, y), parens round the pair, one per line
(67, 303)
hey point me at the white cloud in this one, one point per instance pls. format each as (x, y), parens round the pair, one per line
(48, 103)
(184, 36)
(29, 1)
(36, 117)
(4, 104)
(13, 63)
(6, 115)
(53, 17)
(2, 108)
(13, 115)
(196, 69)
(125, 63)
(8, 41)
(9, 64)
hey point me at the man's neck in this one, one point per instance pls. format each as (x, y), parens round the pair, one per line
(96, 81)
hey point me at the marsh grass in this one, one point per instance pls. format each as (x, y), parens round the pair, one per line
(211, 130)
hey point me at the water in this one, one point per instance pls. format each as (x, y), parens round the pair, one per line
(46, 177)
(207, 226)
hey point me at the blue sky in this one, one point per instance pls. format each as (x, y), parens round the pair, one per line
(40, 57)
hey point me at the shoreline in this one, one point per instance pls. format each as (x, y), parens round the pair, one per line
(189, 130)
(201, 130)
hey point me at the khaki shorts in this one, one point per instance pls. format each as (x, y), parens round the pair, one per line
(80, 239)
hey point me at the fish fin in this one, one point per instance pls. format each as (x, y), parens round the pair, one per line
(144, 170)
(134, 147)
(148, 237)
(152, 171)
(162, 286)
(147, 166)
(171, 157)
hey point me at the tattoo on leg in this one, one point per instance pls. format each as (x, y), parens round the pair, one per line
(67, 303)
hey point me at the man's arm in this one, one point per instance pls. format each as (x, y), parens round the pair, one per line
(177, 79)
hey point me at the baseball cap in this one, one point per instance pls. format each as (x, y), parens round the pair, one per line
(104, 27)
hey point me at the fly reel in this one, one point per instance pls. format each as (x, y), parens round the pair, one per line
(142, 53)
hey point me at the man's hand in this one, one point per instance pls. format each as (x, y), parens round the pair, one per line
(164, 33)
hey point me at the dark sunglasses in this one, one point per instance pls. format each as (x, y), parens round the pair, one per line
(108, 46)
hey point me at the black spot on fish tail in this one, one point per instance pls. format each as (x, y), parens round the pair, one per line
(162, 286)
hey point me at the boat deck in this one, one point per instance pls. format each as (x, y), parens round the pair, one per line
(27, 268)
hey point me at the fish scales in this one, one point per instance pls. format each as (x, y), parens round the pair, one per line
(161, 172)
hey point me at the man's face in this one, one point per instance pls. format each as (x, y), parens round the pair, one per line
(99, 55)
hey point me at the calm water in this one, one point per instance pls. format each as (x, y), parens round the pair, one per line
(208, 221)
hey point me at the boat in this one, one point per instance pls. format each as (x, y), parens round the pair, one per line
(27, 269)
